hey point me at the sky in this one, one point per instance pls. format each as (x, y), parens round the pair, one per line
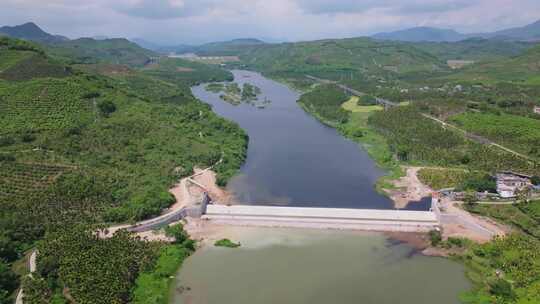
(170, 22)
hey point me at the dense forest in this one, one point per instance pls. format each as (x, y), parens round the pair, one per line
(82, 146)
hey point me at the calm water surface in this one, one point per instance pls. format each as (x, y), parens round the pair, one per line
(292, 158)
(295, 160)
(293, 266)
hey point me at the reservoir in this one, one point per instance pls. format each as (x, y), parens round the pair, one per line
(284, 266)
(293, 159)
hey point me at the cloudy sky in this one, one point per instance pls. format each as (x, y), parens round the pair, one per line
(198, 21)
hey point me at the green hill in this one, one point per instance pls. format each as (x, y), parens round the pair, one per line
(418, 34)
(522, 69)
(30, 31)
(475, 49)
(78, 148)
(88, 50)
(339, 59)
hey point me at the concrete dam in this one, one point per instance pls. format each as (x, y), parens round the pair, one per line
(324, 218)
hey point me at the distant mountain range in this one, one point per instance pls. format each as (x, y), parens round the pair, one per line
(418, 34)
(529, 32)
(30, 31)
(211, 47)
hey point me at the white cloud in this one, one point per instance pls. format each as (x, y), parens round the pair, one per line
(195, 21)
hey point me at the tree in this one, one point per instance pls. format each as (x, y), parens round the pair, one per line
(470, 197)
(523, 195)
(177, 232)
(8, 282)
(535, 180)
(107, 107)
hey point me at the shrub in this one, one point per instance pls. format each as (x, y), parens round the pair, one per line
(480, 184)
(502, 288)
(367, 100)
(7, 158)
(28, 137)
(106, 107)
(457, 242)
(91, 95)
(6, 141)
(435, 237)
(177, 232)
(226, 243)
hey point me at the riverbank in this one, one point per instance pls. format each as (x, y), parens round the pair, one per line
(356, 129)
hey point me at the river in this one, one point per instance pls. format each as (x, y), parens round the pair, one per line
(292, 158)
(295, 160)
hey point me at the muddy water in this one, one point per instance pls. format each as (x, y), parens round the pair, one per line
(310, 266)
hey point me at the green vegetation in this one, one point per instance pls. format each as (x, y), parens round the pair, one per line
(88, 51)
(250, 92)
(226, 243)
(519, 69)
(504, 271)
(416, 139)
(78, 149)
(440, 178)
(324, 102)
(215, 87)
(233, 94)
(79, 259)
(367, 100)
(525, 216)
(175, 70)
(152, 286)
(520, 133)
(354, 105)
(476, 49)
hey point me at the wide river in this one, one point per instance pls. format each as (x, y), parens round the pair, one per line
(295, 160)
(292, 158)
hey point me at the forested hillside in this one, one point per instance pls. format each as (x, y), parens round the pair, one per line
(81, 149)
(523, 69)
(88, 51)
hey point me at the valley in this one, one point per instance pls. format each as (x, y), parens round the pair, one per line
(102, 133)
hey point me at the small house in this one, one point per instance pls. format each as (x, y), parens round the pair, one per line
(509, 183)
(537, 110)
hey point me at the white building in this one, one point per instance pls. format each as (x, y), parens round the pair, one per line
(537, 110)
(508, 183)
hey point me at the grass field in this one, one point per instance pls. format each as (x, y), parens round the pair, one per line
(352, 106)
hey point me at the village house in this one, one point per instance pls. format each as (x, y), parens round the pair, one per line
(509, 183)
(537, 109)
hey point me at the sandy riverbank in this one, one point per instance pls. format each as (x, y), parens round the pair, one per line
(408, 189)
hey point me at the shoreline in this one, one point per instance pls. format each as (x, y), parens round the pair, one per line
(400, 184)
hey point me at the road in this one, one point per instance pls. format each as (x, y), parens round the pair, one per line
(478, 139)
(387, 103)
(381, 101)
(457, 222)
(32, 267)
